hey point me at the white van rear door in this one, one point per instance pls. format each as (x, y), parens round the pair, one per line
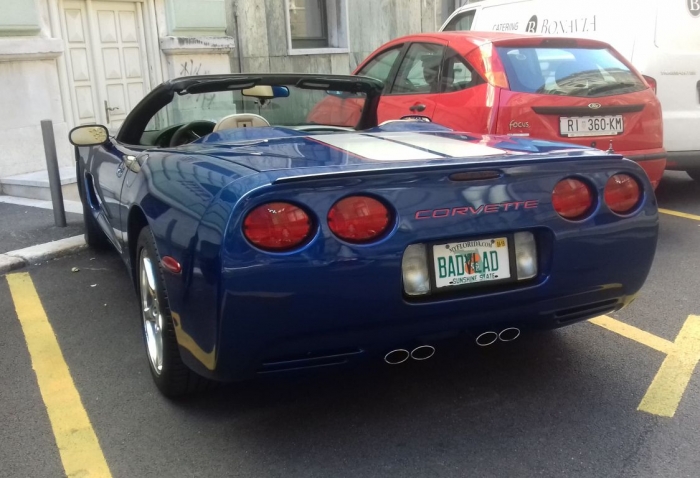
(676, 68)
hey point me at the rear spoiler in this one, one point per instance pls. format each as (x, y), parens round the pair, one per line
(483, 169)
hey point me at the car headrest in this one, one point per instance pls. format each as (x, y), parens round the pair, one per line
(241, 120)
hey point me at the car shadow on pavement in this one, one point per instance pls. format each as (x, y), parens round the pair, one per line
(678, 191)
(532, 371)
(551, 387)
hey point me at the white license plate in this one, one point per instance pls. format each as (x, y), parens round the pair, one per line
(471, 262)
(591, 126)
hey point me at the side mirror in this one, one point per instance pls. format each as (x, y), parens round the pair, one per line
(88, 135)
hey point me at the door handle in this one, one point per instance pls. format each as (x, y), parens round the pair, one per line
(108, 109)
(132, 163)
(418, 108)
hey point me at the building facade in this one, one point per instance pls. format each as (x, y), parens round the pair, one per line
(90, 61)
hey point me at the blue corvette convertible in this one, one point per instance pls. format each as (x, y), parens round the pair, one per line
(259, 242)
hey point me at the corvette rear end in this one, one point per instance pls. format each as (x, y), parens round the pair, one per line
(325, 266)
(261, 243)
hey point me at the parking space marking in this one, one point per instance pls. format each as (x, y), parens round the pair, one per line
(77, 443)
(682, 357)
(669, 384)
(679, 214)
(633, 333)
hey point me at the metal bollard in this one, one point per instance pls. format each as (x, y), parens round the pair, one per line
(59, 213)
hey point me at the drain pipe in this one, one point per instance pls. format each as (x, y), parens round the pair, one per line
(239, 50)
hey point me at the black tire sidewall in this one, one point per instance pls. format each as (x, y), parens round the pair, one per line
(168, 380)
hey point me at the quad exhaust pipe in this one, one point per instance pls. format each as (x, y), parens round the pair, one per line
(422, 352)
(490, 337)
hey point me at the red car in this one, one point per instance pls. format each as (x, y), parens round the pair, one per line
(565, 89)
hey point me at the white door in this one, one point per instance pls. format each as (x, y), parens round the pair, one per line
(106, 59)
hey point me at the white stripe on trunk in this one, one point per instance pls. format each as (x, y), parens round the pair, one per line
(442, 145)
(374, 148)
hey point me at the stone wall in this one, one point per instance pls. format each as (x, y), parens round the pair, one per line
(30, 87)
(263, 44)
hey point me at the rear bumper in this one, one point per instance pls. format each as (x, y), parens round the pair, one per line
(336, 312)
(683, 160)
(331, 302)
(344, 343)
(653, 162)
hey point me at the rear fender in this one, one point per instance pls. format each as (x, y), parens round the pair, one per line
(179, 198)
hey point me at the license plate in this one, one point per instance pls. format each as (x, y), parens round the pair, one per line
(591, 126)
(471, 262)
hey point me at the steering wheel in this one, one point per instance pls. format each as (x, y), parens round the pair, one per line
(191, 131)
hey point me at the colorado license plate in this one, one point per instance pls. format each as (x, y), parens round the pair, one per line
(471, 262)
(591, 126)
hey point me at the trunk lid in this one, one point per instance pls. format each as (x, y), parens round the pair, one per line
(352, 152)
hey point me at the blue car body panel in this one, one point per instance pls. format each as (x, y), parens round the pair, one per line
(239, 311)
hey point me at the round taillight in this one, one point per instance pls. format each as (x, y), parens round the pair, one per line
(572, 198)
(358, 219)
(277, 226)
(622, 193)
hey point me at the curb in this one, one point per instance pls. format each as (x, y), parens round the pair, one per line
(73, 207)
(13, 260)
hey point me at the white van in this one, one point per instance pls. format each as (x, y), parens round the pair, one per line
(660, 37)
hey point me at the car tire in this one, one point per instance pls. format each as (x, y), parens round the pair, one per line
(172, 377)
(694, 173)
(95, 237)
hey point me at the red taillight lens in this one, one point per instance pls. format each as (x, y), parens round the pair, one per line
(572, 198)
(651, 82)
(358, 219)
(277, 226)
(622, 193)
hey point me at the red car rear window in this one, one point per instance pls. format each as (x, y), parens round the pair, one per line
(581, 72)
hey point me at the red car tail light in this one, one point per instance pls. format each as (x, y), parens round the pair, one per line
(358, 219)
(487, 62)
(572, 198)
(277, 226)
(651, 82)
(622, 193)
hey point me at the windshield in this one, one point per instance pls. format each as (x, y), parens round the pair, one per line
(291, 110)
(567, 72)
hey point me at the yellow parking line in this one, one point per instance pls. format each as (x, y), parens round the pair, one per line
(679, 214)
(638, 335)
(77, 443)
(669, 384)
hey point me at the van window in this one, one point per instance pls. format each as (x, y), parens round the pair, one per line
(461, 23)
(379, 67)
(420, 69)
(567, 72)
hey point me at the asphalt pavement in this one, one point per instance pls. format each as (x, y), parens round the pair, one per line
(25, 226)
(561, 403)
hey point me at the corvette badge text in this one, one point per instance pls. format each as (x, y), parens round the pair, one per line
(471, 211)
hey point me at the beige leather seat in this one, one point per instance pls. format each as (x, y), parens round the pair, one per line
(241, 120)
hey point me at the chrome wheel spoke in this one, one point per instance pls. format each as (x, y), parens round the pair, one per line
(153, 320)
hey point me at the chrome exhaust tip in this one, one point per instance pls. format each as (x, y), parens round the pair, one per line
(509, 334)
(423, 352)
(487, 338)
(397, 356)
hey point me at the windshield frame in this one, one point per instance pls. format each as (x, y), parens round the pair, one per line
(137, 120)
